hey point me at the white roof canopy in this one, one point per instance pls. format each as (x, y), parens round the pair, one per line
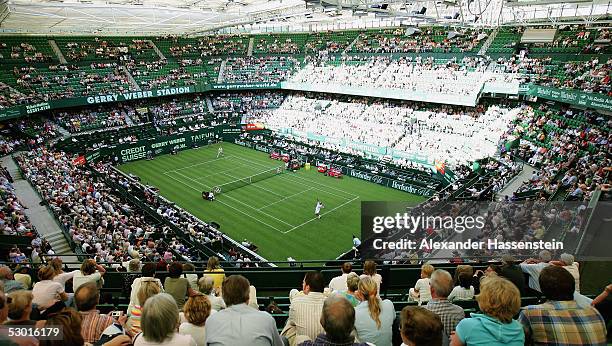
(158, 17)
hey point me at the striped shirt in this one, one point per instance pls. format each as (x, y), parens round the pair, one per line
(94, 324)
(449, 313)
(461, 293)
(133, 322)
(305, 314)
(563, 323)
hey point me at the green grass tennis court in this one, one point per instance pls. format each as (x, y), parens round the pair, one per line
(276, 214)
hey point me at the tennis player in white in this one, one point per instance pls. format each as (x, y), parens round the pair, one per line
(318, 208)
(220, 152)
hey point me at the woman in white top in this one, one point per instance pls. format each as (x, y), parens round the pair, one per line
(160, 317)
(463, 291)
(191, 278)
(369, 270)
(60, 275)
(148, 274)
(90, 271)
(197, 309)
(47, 292)
(421, 291)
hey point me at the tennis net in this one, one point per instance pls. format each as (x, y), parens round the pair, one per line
(242, 182)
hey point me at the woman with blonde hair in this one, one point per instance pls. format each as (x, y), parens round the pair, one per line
(48, 295)
(20, 308)
(352, 284)
(205, 286)
(197, 309)
(499, 300)
(147, 290)
(214, 270)
(421, 292)
(373, 316)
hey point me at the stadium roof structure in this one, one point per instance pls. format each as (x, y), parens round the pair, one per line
(185, 17)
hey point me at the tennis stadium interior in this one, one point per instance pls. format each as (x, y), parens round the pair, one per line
(252, 137)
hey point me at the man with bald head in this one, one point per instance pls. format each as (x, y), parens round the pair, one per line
(9, 282)
(441, 285)
(338, 321)
(87, 297)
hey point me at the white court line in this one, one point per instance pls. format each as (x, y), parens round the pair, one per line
(319, 189)
(225, 204)
(327, 186)
(284, 198)
(255, 185)
(302, 178)
(311, 220)
(197, 164)
(212, 175)
(237, 200)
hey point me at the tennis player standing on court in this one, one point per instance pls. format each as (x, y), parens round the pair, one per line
(220, 152)
(318, 208)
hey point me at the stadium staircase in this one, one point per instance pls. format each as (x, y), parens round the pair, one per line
(221, 71)
(516, 182)
(487, 44)
(130, 77)
(159, 52)
(129, 121)
(38, 214)
(65, 133)
(209, 104)
(251, 44)
(58, 52)
(350, 46)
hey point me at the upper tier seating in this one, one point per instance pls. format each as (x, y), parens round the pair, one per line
(25, 50)
(505, 42)
(331, 41)
(63, 81)
(259, 69)
(289, 44)
(200, 47)
(106, 48)
(399, 40)
(162, 73)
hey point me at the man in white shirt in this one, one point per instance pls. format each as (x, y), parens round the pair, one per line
(90, 271)
(534, 267)
(318, 208)
(338, 284)
(148, 274)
